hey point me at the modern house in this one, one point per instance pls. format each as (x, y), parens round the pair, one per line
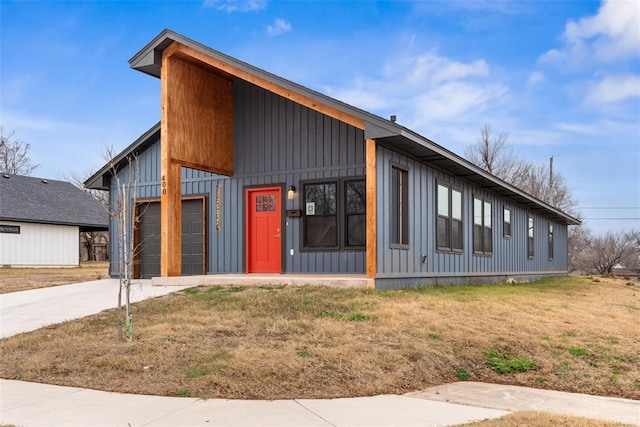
(41, 221)
(250, 173)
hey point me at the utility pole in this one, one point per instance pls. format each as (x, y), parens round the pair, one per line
(551, 181)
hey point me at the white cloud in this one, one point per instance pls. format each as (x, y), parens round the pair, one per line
(613, 89)
(279, 26)
(236, 5)
(611, 34)
(426, 90)
(535, 78)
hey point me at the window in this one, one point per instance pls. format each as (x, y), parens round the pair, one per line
(10, 229)
(482, 235)
(399, 207)
(506, 224)
(530, 237)
(321, 215)
(550, 241)
(332, 209)
(355, 211)
(449, 220)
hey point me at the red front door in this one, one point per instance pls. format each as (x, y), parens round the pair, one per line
(264, 230)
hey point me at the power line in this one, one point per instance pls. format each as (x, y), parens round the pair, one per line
(604, 207)
(613, 219)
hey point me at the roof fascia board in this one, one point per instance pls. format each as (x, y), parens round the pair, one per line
(97, 181)
(141, 62)
(406, 133)
(375, 126)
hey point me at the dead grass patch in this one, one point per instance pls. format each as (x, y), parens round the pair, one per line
(312, 342)
(23, 279)
(530, 418)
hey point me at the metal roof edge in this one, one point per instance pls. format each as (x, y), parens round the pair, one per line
(166, 37)
(375, 126)
(408, 133)
(95, 181)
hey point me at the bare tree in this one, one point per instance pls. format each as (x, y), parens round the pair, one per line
(14, 155)
(124, 196)
(91, 238)
(579, 242)
(493, 154)
(612, 249)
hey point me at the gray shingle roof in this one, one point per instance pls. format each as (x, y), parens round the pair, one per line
(46, 201)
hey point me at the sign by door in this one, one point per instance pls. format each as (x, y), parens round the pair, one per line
(264, 230)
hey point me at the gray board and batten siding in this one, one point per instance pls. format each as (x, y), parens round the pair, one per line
(277, 142)
(420, 263)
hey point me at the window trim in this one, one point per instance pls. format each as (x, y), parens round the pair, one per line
(451, 188)
(531, 243)
(483, 216)
(505, 234)
(340, 215)
(403, 211)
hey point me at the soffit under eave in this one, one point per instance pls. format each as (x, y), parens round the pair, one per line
(437, 157)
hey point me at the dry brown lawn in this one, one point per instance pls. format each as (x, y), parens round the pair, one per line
(527, 418)
(22, 279)
(570, 334)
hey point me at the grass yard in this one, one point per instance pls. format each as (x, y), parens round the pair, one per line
(570, 334)
(527, 418)
(22, 279)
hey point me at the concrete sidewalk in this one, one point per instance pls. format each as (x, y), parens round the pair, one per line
(32, 404)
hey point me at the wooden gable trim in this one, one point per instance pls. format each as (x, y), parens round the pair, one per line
(230, 70)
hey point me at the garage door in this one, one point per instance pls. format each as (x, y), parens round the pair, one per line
(148, 239)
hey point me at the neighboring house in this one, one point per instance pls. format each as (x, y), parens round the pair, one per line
(41, 221)
(248, 172)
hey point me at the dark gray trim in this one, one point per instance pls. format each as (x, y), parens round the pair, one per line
(102, 178)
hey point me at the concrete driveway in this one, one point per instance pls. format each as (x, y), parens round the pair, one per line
(30, 310)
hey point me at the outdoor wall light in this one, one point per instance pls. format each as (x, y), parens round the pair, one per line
(291, 193)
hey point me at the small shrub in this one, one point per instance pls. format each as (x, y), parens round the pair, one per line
(540, 380)
(462, 374)
(302, 352)
(197, 372)
(183, 392)
(503, 365)
(358, 317)
(433, 336)
(578, 352)
(331, 314)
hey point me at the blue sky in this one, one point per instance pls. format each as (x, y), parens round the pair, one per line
(561, 77)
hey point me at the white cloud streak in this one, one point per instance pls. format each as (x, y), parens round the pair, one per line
(613, 89)
(279, 26)
(241, 6)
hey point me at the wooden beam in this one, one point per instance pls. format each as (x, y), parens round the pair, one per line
(170, 189)
(371, 256)
(199, 115)
(231, 70)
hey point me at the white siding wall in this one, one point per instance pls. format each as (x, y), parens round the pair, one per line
(40, 245)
